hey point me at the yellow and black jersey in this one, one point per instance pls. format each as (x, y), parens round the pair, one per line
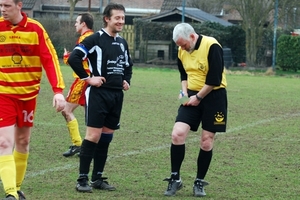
(204, 65)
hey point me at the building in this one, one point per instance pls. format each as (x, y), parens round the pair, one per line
(153, 10)
(61, 8)
(188, 14)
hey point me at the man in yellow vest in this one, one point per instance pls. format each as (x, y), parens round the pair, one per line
(203, 81)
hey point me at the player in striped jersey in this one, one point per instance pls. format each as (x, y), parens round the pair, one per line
(25, 49)
(84, 25)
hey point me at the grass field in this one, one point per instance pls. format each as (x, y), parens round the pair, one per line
(257, 158)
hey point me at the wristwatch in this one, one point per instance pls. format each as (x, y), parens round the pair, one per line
(199, 98)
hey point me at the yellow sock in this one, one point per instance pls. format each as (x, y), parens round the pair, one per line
(74, 132)
(21, 166)
(8, 175)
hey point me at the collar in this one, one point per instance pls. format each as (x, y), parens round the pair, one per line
(109, 34)
(198, 42)
(88, 31)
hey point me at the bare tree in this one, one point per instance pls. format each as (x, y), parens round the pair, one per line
(290, 13)
(257, 15)
(72, 7)
(209, 6)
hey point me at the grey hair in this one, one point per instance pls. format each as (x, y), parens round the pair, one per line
(182, 30)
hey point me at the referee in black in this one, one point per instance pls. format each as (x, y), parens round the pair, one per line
(111, 70)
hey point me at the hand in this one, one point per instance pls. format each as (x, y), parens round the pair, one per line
(193, 101)
(59, 102)
(182, 94)
(96, 81)
(66, 52)
(126, 85)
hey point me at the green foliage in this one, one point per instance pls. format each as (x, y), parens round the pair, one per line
(62, 32)
(63, 35)
(232, 36)
(288, 56)
(236, 41)
(154, 30)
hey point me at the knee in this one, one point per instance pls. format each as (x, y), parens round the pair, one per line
(207, 140)
(207, 144)
(178, 137)
(179, 133)
(5, 143)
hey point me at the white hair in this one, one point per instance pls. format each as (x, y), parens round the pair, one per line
(182, 30)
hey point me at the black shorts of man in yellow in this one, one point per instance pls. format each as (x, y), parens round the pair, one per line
(211, 112)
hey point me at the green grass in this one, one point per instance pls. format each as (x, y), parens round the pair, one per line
(257, 158)
(262, 70)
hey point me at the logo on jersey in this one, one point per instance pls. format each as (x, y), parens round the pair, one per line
(219, 118)
(2, 38)
(201, 66)
(16, 58)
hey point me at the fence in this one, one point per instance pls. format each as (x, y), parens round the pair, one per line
(128, 34)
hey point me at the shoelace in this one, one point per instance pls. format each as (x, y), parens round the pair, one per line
(171, 181)
(102, 180)
(199, 185)
(170, 184)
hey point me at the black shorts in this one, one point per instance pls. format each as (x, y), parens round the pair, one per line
(103, 107)
(211, 112)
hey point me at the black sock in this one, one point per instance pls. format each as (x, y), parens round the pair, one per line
(100, 155)
(99, 160)
(86, 156)
(177, 156)
(203, 163)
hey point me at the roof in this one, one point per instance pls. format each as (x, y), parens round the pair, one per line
(28, 4)
(190, 15)
(171, 4)
(145, 4)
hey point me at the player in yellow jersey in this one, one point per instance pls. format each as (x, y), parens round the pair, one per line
(76, 97)
(26, 50)
(201, 67)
